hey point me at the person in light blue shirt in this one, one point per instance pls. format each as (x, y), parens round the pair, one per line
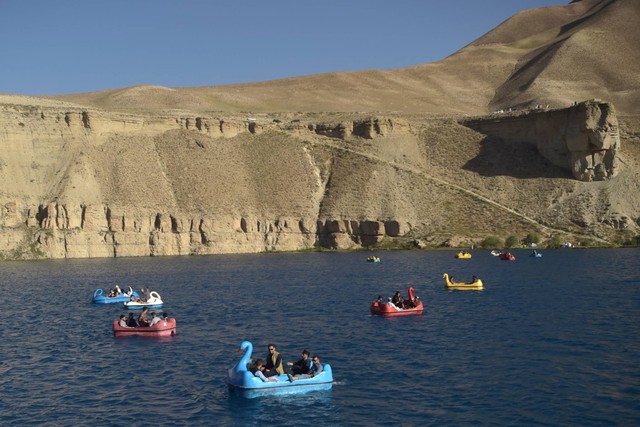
(257, 371)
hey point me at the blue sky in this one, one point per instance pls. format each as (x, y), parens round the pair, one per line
(70, 46)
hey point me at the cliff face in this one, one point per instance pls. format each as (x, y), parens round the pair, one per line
(94, 184)
(583, 138)
(88, 183)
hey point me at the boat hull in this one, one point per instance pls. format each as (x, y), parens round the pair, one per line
(476, 285)
(164, 328)
(154, 301)
(387, 310)
(100, 298)
(240, 379)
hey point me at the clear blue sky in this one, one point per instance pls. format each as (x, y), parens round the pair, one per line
(69, 46)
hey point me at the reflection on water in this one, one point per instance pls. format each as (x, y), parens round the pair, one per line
(550, 341)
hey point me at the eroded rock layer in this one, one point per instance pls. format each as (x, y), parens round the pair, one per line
(583, 138)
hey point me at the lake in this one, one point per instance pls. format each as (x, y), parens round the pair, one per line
(551, 341)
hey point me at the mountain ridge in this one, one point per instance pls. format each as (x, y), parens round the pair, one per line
(338, 160)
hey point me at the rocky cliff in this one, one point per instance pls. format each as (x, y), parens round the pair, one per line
(583, 138)
(81, 182)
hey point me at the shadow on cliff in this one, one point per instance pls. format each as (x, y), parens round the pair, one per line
(517, 160)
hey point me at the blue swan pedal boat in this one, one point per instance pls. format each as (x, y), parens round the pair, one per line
(99, 297)
(240, 379)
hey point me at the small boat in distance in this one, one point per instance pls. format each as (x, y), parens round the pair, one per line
(99, 297)
(373, 259)
(463, 255)
(412, 305)
(475, 284)
(535, 254)
(507, 256)
(154, 301)
(164, 328)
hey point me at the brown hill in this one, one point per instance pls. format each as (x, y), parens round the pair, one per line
(552, 55)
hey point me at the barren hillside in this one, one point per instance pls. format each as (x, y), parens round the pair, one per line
(338, 160)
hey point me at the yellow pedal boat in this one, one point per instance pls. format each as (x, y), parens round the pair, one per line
(463, 255)
(476, 285)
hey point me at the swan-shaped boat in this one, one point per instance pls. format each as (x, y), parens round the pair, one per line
(240, 378)
(388, 309)
(495, 253)
(463, 255)
(535, 254)
(154, 301)
(164, 328)
(476, 285)
(99, 297)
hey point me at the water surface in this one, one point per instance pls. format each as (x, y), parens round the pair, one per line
(550, 341)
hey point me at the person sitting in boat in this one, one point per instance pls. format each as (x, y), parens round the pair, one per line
(379, 301)
(397, 300)
(165, 316)
(154, 318)
(316, 369)
(111, 293)
(144, 295)
(473, 279)
(274, 362)
(143, 319)
(117, 290)
(302, 366)
(413, 302)
(258, 371)
(123, 321)
(132, 322)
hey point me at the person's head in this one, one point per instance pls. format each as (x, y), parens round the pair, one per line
(258, 363)
(271, 348)
(130, 315)
(316, 358)
(153, 314)
(305, 354)
(165, 315)
(122, 317)
(397, 293)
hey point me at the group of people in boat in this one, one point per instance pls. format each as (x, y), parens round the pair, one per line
(116, 292)
(306, 367)
(398, 301)
(143, 319)
(145, 294)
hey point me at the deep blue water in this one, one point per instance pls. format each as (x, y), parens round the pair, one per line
(549, 342)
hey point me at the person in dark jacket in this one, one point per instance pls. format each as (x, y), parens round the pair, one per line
(302, 366)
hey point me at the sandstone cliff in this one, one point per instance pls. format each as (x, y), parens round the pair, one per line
(343, 160)
(88, 183)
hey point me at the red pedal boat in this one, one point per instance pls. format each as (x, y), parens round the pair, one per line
(413, 304)
(163, 328)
